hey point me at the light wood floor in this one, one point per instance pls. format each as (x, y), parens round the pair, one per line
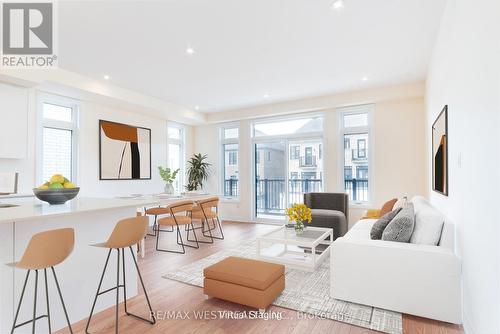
(167, 295)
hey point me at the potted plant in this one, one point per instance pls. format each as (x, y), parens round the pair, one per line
(198, 172)
(168, 176)
(299, 213)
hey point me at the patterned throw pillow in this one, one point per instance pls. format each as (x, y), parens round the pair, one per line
(401, 227)
(387, 207)
(380, 225)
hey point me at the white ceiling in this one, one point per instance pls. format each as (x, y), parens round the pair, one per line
(288, 49)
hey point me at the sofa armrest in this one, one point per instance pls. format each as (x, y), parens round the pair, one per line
(415, 279)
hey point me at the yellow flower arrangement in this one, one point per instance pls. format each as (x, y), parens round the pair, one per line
(299, 213)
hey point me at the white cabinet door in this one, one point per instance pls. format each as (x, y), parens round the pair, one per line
(13, 121)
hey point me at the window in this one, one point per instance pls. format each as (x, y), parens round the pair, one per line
(355, 130)
(289, 126)
(347, 143)
(348, 172)
(362, 172)
(308, 156)
(294, 152)
(175, 154)
(58, 139)
(361, 148)
(233, 157)
(287, 163)
(229, 137)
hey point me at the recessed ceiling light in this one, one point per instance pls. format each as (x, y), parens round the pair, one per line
(265, 96)
(190, 51)
(338, 4)
(106, 77)
(197, 107)
(364, 78)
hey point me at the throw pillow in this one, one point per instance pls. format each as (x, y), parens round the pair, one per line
(401, 203)
(401, 227)
(428, 226)
(387, 207)
(380, 225)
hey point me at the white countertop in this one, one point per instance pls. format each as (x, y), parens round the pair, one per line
(30, 208)
(16, 196)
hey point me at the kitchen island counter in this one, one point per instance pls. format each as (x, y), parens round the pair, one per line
(93, 220)
(27, 209)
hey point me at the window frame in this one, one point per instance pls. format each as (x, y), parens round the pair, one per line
(72, 126)
(296, 152)
(369, 152)
(286, 139)
(228, 141)
(182, 151)
(359, 141)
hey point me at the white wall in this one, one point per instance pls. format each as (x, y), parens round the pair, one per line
(88, 151)
(464, 74)
(399, 156)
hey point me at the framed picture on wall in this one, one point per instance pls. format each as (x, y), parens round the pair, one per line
(440, 153)
(124, 152)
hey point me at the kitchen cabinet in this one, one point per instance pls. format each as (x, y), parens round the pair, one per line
(13, 121)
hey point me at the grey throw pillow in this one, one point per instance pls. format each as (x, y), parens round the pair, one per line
(380, 225)
(401, 227)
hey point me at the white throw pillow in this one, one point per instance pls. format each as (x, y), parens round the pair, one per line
(428, 226)
(400, 203)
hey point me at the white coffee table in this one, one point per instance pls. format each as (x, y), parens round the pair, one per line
(283, 246)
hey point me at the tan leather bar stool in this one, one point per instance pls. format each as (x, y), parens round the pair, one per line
(45, 250)
(209, 210)
(156, 211)
(180, 215)
(126, 233)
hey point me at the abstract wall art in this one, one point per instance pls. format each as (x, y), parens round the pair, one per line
(440, 153)
(124, 152)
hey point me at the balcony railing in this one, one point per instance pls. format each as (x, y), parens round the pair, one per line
(270, 193)
(357, 189)
(271, 196)
(231, 188)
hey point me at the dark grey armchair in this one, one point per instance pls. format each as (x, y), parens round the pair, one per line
(329, 210)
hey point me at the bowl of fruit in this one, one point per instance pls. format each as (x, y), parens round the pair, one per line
(58, 190)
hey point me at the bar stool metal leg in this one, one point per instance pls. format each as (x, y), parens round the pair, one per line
(121, 262)
(97, 293)
(20, 301)
(153, 321)
(117, 289)
(62, 300)
(34, 303)
(47, 298)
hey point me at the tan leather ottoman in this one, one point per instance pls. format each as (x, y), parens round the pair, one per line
(245, 281)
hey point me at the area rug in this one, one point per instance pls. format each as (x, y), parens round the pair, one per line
(307, 292)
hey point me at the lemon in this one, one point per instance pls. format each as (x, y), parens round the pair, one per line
(57, 178)
(43, 187)
(69, 185)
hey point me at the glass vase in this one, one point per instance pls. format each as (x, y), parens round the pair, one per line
(299, 228)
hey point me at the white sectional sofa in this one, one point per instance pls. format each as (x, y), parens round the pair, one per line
(416, 279)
